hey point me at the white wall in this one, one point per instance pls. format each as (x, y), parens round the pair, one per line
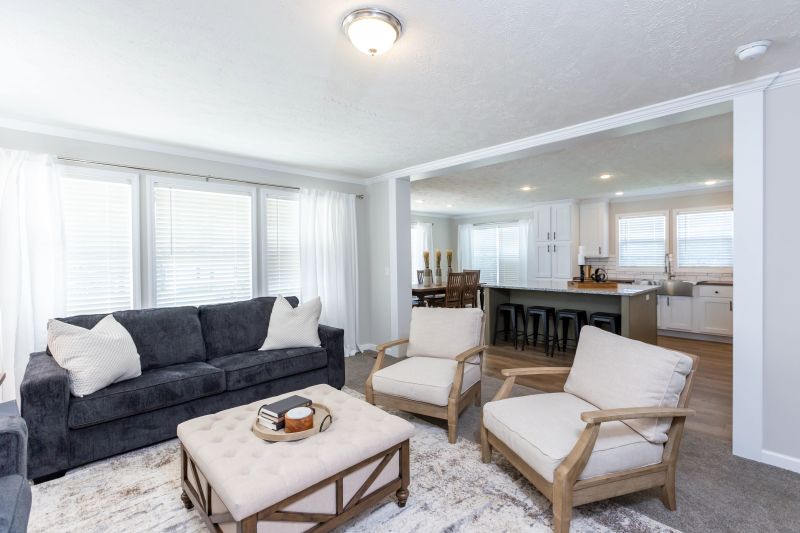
(444, 238)
(781, 293)
(79, 149)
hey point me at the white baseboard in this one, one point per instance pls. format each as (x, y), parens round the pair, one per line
(368, 346)
(781, 460)
(695, 336)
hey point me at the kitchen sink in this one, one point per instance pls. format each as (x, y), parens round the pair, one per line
(674, 287)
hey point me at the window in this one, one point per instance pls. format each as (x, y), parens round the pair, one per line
(642, 240)
(281, 251)
(496, 252)
(421, 240)
(705, 238)
(99, 239)
(202, 244)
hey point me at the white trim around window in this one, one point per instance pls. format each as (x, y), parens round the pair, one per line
(154, 181)
(645, 214)
(676, 245)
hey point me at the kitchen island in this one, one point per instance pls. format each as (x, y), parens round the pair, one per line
(637, 304)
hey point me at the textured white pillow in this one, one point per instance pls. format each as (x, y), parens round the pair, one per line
(293, 327)
(93, 358)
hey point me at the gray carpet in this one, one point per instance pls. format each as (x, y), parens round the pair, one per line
(716, 491)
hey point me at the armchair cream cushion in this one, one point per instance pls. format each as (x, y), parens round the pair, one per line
(613, 372)
(443, 332)
(424, 379)
(543, 428)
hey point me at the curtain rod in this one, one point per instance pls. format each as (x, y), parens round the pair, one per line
(204, 176)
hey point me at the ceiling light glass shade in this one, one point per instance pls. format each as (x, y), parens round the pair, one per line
(372, 31)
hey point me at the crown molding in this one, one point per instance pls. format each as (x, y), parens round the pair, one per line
(431, 215)
(720, 95)
(170, 149)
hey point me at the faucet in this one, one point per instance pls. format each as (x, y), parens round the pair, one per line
(667, 267)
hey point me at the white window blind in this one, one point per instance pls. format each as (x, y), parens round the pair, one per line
(495, 252)
(642, 241)
(705, 239)
(203, 246)
(282, 246)
(98, 235)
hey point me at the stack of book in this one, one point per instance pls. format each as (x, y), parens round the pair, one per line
(271, 416)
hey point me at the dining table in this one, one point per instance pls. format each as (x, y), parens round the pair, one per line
(421, 292)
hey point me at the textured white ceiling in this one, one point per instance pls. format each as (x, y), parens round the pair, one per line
(672, 158)
(278, 80)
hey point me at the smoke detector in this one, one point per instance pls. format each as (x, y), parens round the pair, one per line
(751, 51)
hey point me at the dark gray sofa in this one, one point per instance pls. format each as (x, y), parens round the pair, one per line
(194, 360)
(15, 492)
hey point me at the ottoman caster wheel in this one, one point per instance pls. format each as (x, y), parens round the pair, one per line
(186, 501)
(402, 497)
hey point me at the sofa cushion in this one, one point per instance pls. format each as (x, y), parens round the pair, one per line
(237, 327)
(154, 389)
(613, 372)
(424, 379)
(15, 503)
(163, 337)
(442, 332)
(254, 367)
(543, 428)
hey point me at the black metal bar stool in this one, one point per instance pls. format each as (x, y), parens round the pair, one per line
(612, 320)
(546, 315)
(565, 317)
(510, 312)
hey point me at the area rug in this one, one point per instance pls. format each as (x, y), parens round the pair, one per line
(451, 490)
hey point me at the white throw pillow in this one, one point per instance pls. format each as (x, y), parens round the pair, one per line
(293, 327)
(93, 358)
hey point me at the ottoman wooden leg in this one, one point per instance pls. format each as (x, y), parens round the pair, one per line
(402, 497)
(187, 502)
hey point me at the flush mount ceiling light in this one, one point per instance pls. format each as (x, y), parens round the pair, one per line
(754, 50)
(372, 31)
(605, 176)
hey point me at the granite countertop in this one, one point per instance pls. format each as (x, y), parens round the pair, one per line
(606, 289)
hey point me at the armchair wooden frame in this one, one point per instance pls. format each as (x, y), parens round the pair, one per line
(456, 402)
(566, 491)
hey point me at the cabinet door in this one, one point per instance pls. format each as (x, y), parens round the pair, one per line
(562, 260)
(594, 229)
(561, 222)
(662, 312)
(541, 219)
(714, 315)
(679, 313)
(543, 266)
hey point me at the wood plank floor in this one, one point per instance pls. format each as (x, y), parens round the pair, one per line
(713, 386)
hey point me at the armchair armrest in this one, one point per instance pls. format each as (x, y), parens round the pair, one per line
(472, 352)
(628, 413)
(44, 402)
(536, 371)
(386, 345)
(332, 339)
(13, 446)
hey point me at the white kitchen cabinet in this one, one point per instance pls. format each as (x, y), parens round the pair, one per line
(675, 312)
(713, 315)
(561, 222)
(541, 219)
(594, 228)
(543, 267)
(562, 260)
(554, 247)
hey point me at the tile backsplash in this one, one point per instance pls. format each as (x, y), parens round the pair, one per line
(614, 272)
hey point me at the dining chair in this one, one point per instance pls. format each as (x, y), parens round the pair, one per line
(472, 279)
(454, 292)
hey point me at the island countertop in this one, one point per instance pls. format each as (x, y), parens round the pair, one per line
(609, 289)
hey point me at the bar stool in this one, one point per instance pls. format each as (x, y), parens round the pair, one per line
(565, 317)
(547, 315)
(510, 313)
(613, 320)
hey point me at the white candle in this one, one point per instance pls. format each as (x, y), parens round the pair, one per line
(581, 256)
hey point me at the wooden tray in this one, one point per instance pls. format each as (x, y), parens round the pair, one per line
(320, 415)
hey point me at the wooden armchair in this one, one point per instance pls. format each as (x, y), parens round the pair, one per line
(596, 441)
(441, 374)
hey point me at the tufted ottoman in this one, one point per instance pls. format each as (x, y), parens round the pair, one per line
(241, 483)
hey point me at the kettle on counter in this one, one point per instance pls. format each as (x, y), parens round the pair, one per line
(599, 275)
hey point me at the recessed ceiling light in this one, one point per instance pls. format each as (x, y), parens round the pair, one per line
(605, 176)
(420, 201)
(619, 193)
(449, 205)
(371, 30)
(526, 188)
(711, 182)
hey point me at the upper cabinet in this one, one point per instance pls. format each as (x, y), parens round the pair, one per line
(553, 222)
(541, 217)
(594, 228)
(555, 227)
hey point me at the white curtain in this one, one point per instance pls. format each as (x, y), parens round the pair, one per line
(524, 249)
(421, 240)
(329, 259)
(464, 247)
(31, 259)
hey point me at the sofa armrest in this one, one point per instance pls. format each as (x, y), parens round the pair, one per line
(45, 396)
(13, 446)
(332, 339)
